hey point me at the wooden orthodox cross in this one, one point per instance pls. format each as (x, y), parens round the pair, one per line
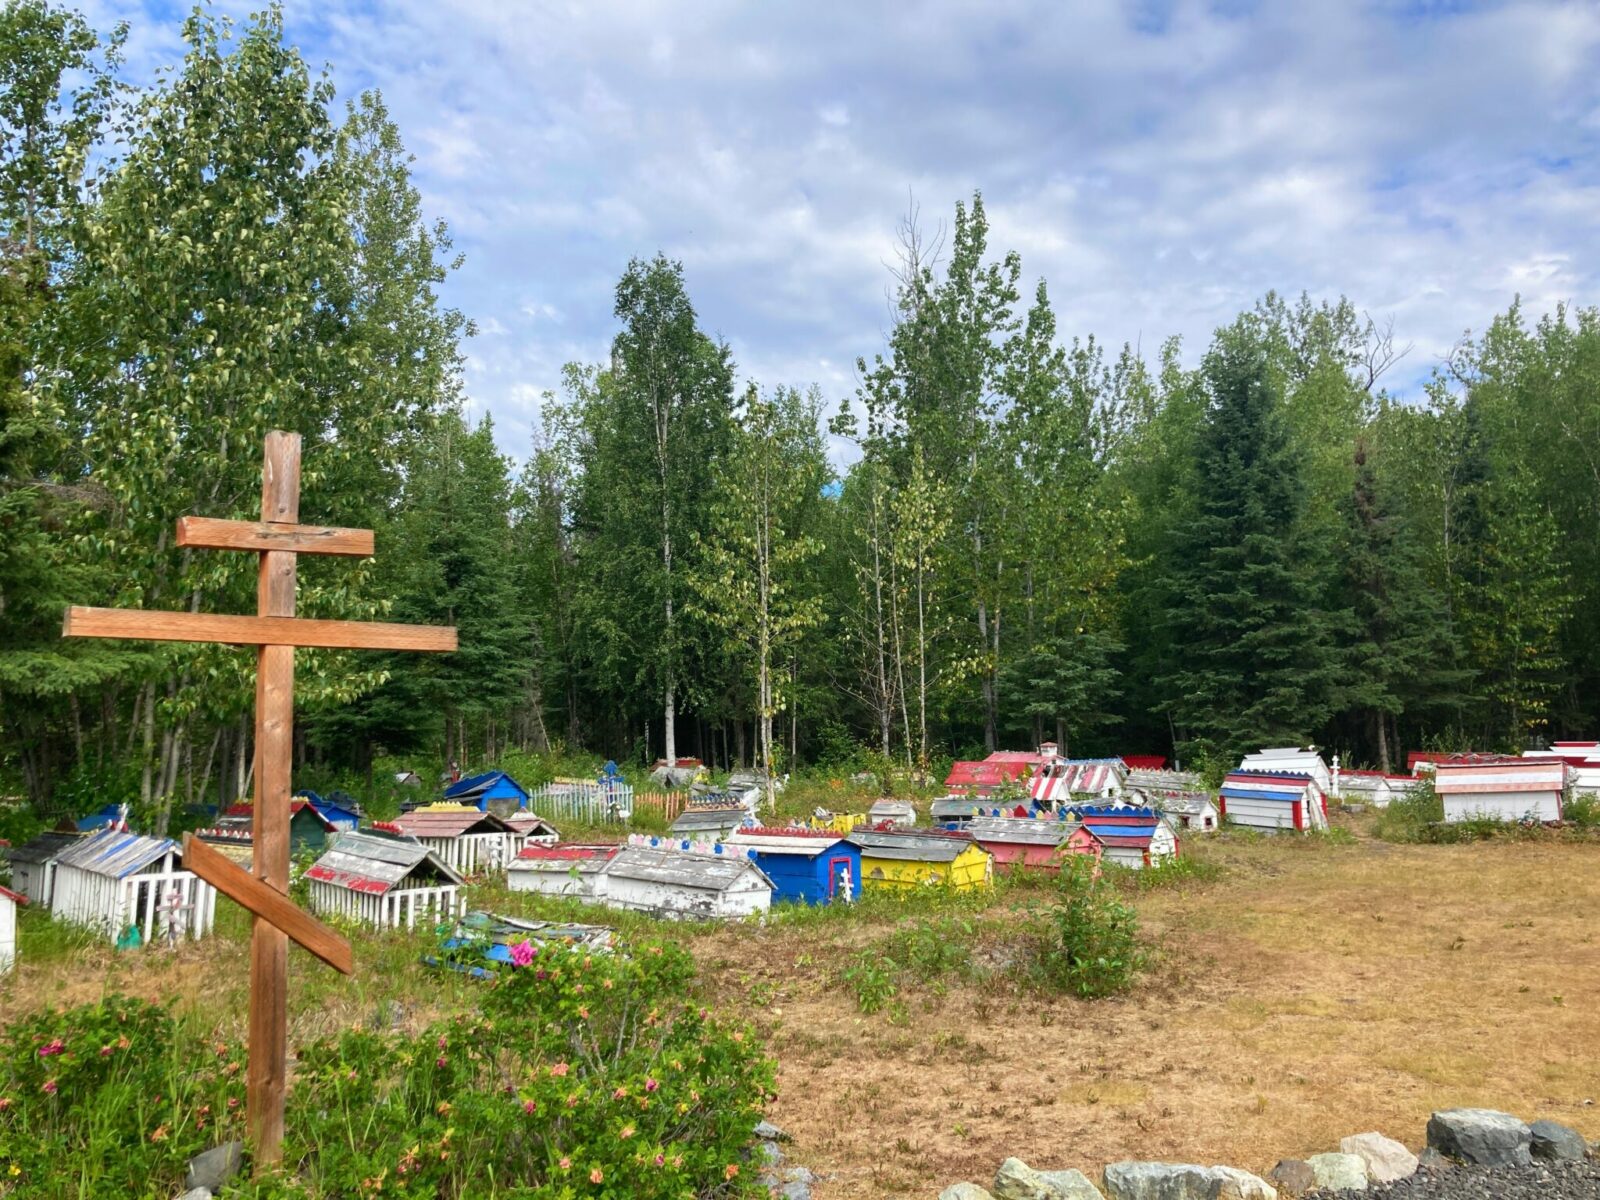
(275, 631)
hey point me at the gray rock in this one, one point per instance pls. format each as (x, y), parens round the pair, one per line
(768, 1132)
(798, 1175)
(196, 1194)
(1481, 1136)
(1339, 1172)
(1431, 1160)
(1553, 1140)
(1016, 1180)
(798, 1190)
(1241, 1185)
(768, 1154)
(1161, 1181)
(1072, 1185)
(214, 1167)
(1294, 1176)
(1387, 1160)
(965, 1191)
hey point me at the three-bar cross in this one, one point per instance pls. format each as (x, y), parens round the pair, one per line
(278, 537)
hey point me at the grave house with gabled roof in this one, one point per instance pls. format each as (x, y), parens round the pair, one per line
(909, 858)
(682, 885)
(530, 829)
(479, 790)
(1272, 801)
(309, 827)
(1498, 788)
(806, 866)
(1022, 841)
(711, 820)
(384, 880)
(33, 864)
(114, 880)
(1583, 764)
(10, 902)
(1129, 837)
(560, 870)
(468, 839)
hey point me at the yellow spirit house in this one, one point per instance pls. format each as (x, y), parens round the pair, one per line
(898, 858)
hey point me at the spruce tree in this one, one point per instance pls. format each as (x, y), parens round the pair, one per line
(1258, 664)
(1400, 655)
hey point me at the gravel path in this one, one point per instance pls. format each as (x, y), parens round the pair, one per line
(1542, 1181)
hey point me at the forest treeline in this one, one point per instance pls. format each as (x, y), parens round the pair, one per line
(1035, 536)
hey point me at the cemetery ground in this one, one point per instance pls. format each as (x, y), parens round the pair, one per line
(1301, 989)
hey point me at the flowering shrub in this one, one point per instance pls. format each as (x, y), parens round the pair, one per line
(108, 1094)
(584, 1075)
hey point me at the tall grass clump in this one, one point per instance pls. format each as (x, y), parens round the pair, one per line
(1090, 946)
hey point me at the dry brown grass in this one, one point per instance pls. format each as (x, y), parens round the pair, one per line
(1315, 990)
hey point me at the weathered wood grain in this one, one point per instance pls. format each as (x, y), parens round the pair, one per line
(213, 533)
(136, 623)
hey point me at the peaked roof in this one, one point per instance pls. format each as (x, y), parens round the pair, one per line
(1145, 762)
(1020, 831)
(376, 863)
(707, 872)
(476, 785)
(919, 845)
(444, 823)
(42, 848)
(295, 808)
(115, 853)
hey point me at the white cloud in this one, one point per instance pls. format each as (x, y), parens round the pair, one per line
(1161, 166)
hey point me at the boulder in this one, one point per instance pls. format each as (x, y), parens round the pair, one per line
(768, 1132)
(768, 1154)
(1016, 1180)
(1241, 1185)
(1481, 1136)
(1072, 1185)
(1339, 1172)
(1161, 1181)
(212, 1168)
(796, 1190)
(1387, 1160)
(965, 1191)
(196, 1194)
(1553, 1140)
(1431, 1160)
(1294, 1176)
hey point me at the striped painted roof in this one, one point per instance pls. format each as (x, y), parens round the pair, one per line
(1487, 774)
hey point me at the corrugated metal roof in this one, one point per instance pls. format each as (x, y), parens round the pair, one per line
(115, 854)
(1020, 831)
(1164, 781)
(918, 846)
(700, 819)
(705, 872)
(984, 775)
(375, 864)
(447, 823)
(530, 825)
(42, 848)
(474, 786)
(892, 810)
(1501, 775)
(805, 842)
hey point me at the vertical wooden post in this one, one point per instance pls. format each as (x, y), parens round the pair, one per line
(269, 945)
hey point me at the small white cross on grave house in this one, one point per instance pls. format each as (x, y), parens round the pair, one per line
(172, 910)
(275, 632)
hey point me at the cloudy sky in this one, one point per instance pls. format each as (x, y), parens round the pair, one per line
(1161, 164)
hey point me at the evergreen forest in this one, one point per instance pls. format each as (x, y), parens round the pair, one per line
(1190, 551)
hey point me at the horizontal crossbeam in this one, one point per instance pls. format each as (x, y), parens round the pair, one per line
(210, 533)
(142, 625)
(271, 905)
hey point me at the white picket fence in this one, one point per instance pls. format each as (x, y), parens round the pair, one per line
(391, 910)
(146, 900)
(592, 803)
